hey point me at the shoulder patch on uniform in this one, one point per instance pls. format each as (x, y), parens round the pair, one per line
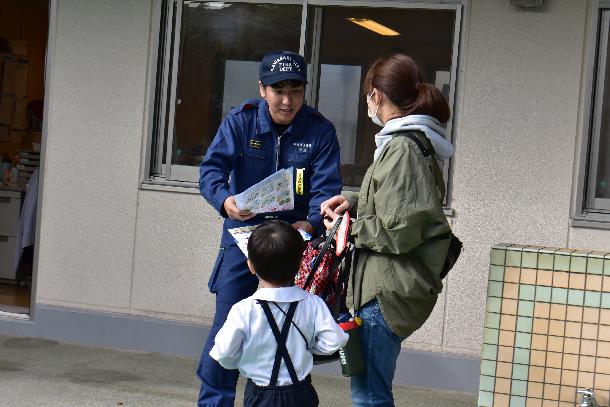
(248, 106)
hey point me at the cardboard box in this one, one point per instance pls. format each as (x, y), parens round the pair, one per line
(16, 137)
(18, 47)
(20, 114)
(6, 108)
(4, 132)
(8, 76)
(20, 88)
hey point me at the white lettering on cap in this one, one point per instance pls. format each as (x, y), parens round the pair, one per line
(285, 63)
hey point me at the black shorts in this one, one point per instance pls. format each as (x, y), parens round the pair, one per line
(301, 394)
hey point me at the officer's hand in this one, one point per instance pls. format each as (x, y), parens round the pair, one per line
(330, 217)
(234, 212)
(337, 203)
(304, 225)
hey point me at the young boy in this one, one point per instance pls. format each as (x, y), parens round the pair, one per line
(271, 335)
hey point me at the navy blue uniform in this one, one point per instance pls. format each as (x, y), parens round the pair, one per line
(246, 150)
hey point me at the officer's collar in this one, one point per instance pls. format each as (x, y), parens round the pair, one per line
(296, 128)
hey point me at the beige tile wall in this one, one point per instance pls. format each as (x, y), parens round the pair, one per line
(547, 327)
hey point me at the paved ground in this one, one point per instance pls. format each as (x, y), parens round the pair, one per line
(35, 372)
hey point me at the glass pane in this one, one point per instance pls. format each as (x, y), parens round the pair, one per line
(221, 45)
(602, 182)
(346, 52)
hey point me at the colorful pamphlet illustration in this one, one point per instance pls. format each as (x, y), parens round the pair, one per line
(241, 236)
(274, 193)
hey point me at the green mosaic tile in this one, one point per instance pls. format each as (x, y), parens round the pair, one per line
(490, 336)
(521, 356)
(517, 401)
(487, 383)
(595, 265)
(498, 257)
(494, 289)
(486, 399)
(520, 372)
(593, 299)
(562, 262)
(492, 320)
(605, 300)
(529, 260)
(524, 324)
(494, 304)
(576, 297)
(517, 247)
(543, 294)
(513, 258)
(523, 340)
(488, 367)
(527, 292)
(578, 264)
(496, 273)
(490, 352)
(559, 295)
(518, 388)
(526, 308)
(545, 261)
(607, 267)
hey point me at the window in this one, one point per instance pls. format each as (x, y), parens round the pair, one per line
(596, 196)
(208, 62)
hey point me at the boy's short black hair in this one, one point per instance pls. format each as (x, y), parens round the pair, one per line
(275, 250)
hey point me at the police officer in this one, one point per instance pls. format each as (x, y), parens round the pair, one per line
(256, 139)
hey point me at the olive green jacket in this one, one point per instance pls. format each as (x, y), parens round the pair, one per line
(400, 234)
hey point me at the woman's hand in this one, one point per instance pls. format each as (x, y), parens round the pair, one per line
(337, 203)
(330, 218)
(234, 212)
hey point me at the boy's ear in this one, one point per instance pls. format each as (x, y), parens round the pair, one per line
(251, 267)
(261, 89)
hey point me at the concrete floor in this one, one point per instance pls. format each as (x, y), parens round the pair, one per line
(35, 372)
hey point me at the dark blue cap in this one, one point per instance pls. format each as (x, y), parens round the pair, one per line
(282, 65)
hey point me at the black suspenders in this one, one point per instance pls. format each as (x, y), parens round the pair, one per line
(280, 338)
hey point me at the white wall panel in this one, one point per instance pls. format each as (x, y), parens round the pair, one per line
(177, 242)
(93, 152)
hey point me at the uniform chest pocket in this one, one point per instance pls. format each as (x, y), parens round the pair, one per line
(258, 153)
(299, 157)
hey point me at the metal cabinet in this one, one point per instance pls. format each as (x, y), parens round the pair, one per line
(10, 207)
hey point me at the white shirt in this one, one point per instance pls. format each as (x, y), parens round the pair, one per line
(245, 341)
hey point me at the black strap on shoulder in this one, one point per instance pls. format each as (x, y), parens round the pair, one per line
(419, 143)
(426, 152)
(280, 338)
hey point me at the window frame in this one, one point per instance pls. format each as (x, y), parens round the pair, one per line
(157, 175)
(587, 212)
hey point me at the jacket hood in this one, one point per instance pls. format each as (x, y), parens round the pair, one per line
(428, 125)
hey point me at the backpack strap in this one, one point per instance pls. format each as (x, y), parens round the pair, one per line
(280, 338)
(427, 150)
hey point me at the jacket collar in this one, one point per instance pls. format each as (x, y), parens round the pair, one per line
(284, 294)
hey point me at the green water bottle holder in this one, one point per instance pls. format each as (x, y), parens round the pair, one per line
(350, 356)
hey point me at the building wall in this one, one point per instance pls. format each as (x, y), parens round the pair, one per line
(92, 162)
(518, 106)
(106, 244)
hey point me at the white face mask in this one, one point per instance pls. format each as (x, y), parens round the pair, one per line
(373, 116)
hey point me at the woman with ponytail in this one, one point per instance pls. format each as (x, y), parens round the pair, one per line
(400, 232)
